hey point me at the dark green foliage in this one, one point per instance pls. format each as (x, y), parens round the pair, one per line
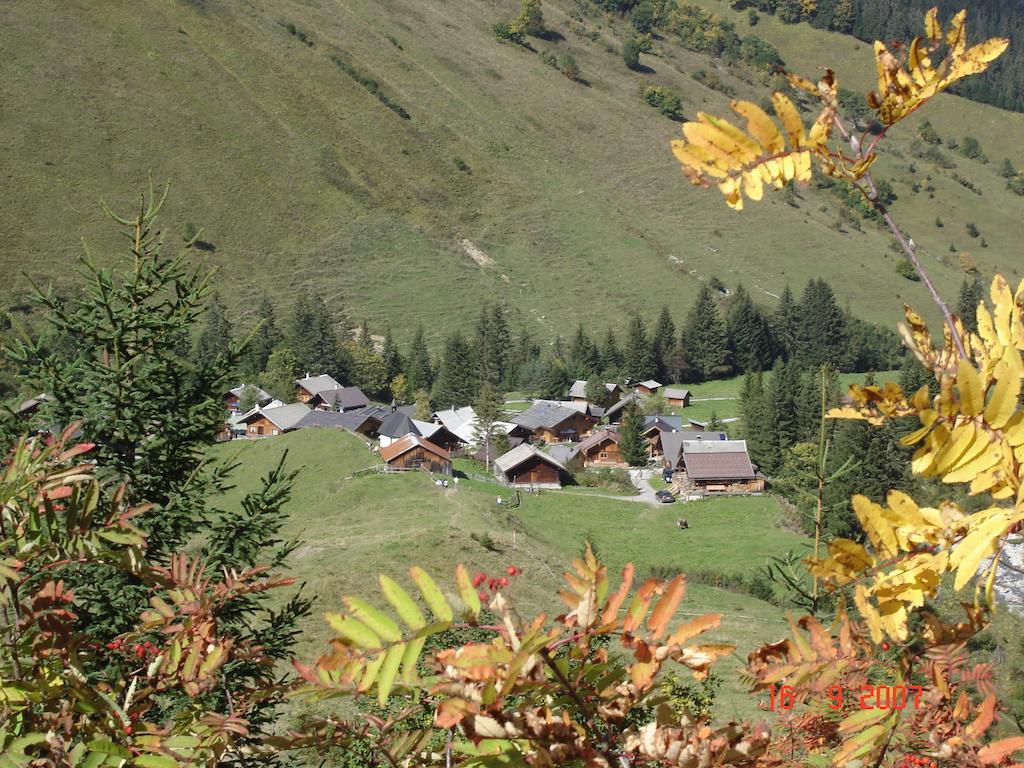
(663, 341)
(280, 374)
(754, 415)
(456, 384)
(906, 270)
(873, 347)
(530, 20)
(749, 333)
(704, 338)
(972, 148)
(584, 359)
(612, 361)
(853, 104)
(214, 341)
(489, 407)
(753, 17)
(313, 339)
(678, 366)
(419, 370)
(706, 32)
(631, 54)
(972, 229)
(266, 338)
(507, 32)
(631, 439)
(913, 376)
(822, 336)
(371, 85)
(555, 379)
(928, 133)
(784, 323)
(714, 82)
(393, 362)
(971, 293)
(639, 356)
(643, 17)
(569, 67)
(1016, 184)
(1006, 170)
(781, 414)
(663, 99)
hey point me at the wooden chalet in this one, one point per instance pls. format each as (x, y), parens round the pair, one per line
(676, 397)
(601, 449)
(439, 434)
(340, 399)
(578, 393)
(267, 422)
(555, 422)
(309, 386)
(654, 427)
(526, 466)
(614, 413)
(416, 452)
(719, 467)
(648, 387)
(233, 397)
(672, 445)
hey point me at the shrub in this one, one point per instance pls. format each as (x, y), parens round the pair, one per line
(1016, 184)
(663, 99)
(506, 32)
(712, 81)
(938, 222)
(569, 67)
(972, 148)
(1007, 171)
(972, 229)
(752, 17)
(631, 54)
(928, 133)
(643, 17)
(549, 58)
(906, 270)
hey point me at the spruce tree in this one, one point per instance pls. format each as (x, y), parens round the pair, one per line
(455, 385)
(781, 416)
(489, 407)
(596, 391)
(491, 345)
(367, 369)
(314, 340)
(639, 355)
(679, 366)
(555, 380)
(971, 293)
(419, 369)
(631, 439)
(822, 334)
(754, 418)
(279, 377)
(265, 340)
(214, 340)
(784, 324)
(392, 357)
(663, 341)
(612, 361)
(749, 334)
(584, 358)
(705, 339)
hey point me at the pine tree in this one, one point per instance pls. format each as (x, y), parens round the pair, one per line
(663, 342)
(584, 358)
(639, 355)
(491, 343)
(754, 418)
(679, 366)
(266, 339)
(419, 369)
(279, 377)
(780, 414)
(822, 334)
(214, 341)
(314, 340)
(785, 322)
(808, 404)
(715, 424)
(749, 334)
(455, 385)
(392, 357)
(555, 380)
(367, 368)
(705, 339)
(612, 362)
(489, 407)
(631, 439)
(971, 293)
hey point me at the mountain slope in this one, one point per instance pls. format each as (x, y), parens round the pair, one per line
(303, 178)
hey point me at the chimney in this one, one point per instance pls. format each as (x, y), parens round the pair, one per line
(307, 374)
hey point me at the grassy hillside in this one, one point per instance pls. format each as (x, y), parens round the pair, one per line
(302, 177)
(352, 530)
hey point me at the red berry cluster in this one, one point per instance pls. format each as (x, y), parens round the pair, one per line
(494, 583)
(917, 761)
(144, 651)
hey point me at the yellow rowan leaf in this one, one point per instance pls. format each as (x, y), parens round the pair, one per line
(1003, 401)
(972, 393)
(760, 126)
(981, 541)
(986, 456)
(873, 521)
(790, 118)
(932, 27)
(959, 442)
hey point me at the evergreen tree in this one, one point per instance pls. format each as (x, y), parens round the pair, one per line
(913, 376)
(663, 343)
(679, 366)
(525, 355)
(392, 357)
(491, 345)
(214, 341)
(584, 358)
(555, 379)
(367, 368)
(314, 340)
(612, 362)
(455, 385)
(705, 339)
(640, 364)
(419, 369)
(248, 399)
(423, 411)
(631, 439)
(489, 407)
(749, 334)
(266, 339)
(754, 418)
(822, 334)
(808, 403)
(785, 322)
(653, 405)
(596, 391)
(971, 293)
(781, 415)
(279, 377)
(715, 424)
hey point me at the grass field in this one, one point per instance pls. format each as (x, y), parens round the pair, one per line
(569, 189)
(352, 530)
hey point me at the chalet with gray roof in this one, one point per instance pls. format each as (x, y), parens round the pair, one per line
(719, 467)
(555, 422)
(309, 386)
(340, 399)
(527, 467)
(271, 421)
(233, 397)
(672, 445)
(676, 397)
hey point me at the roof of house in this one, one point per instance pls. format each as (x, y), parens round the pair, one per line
(717, 460)
(663, 423)
(523, 452)
(344, 397)
(407, 443)
(672, 442)
(353, 420)
(698, 423)
(563, 452)
(547, 414)
(455, 418)
(579, 387)
(397, 424)
(481, 455)
(626, 400)
(317, 384)
(34, 402)
(261, 394)
(599, 438)
(649, 384)
(323, 419)
(675, 393)
(284, 417)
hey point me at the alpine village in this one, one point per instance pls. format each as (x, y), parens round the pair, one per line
(512, 384)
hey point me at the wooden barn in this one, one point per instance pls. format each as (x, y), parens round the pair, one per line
(308, 386)
(340, 399)
(233, 397)
(676, 398)
(554, 422)
(648, 387)
(267, 422)
(601, 449)
(526, 466)
(719, 467)
(416, 452)
(578, 393)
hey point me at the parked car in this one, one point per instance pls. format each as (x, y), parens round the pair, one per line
(666, 474)
(665, 496)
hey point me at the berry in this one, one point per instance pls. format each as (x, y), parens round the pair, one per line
(482, 595)
(128, 729)
(885, 646)
(111, 646)
(502, 582)
(479, 578)
(511, 570)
